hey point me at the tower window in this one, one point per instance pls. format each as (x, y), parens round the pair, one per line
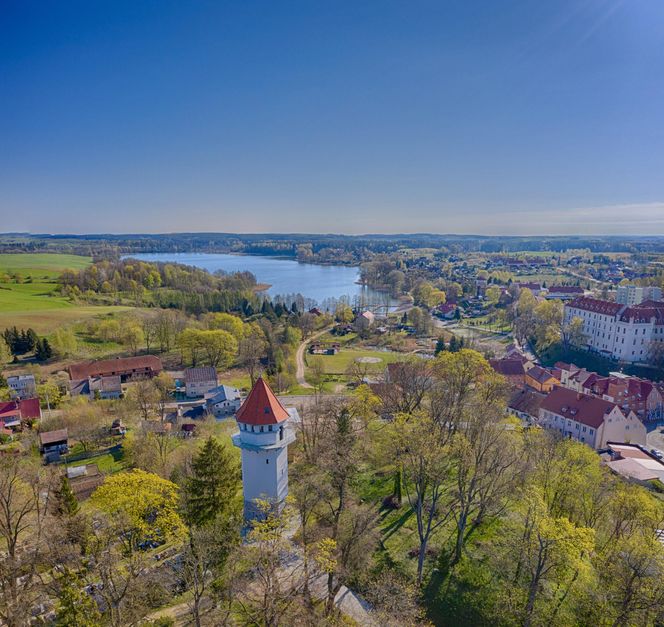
(267, 461)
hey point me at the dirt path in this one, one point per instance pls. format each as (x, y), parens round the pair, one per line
(299, 358)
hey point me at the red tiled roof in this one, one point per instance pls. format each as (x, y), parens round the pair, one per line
(25, 409)
(527, 402)
(566, 289)
(508, 367)
(261, 407)
(107, 367)
(588, 410)
(596, 306)
(644, 312)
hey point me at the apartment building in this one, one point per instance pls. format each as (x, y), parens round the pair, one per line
(618, 331)
(635, 294)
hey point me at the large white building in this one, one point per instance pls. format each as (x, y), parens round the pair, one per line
(263, 438)
(616, 330)
(636, 294)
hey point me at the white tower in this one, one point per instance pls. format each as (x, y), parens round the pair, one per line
(263, 438)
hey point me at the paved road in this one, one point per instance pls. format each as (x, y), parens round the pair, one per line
(299, 358)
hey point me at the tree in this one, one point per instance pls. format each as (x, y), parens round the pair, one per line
(66, 503)
(146, 504)
(422, 455)
(263, 592)
(212, 489)
(548, 552)
(5, 353)
(132, 336)
(493, 294)
(226, 322)
(43, 350)
(251, 351)
(64, 342)
(75, 607)
(343, 314)
(146, 397)
(440, 345)
(573, 333)
(317, 373)
(25, 513)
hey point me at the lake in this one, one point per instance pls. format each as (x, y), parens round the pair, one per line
(285, 276)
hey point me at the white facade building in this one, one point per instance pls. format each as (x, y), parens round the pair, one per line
(618, 331)
(22, 385)
(636, 294)
(263, 439)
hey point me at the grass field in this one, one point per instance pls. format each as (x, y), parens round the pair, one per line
(32, 302)
(338, 364)
(41, 265)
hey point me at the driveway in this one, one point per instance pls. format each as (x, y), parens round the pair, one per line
(299, 358)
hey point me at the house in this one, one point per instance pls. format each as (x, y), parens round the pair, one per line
(447, 311)
(84, 480)
(52, 444)
(540, 379)
(22, 385)
(535, 288)
(564, 292)
(223, 400)
(199, 381)
(118, 427)
(525, 404)
(104, 388)
(127, 368)
(18, 412)
(364, 320)
(589, 419)
(633, 462)
(512, 369)
(322, 348)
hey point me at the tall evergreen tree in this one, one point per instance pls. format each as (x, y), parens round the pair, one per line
(66, 503)
(213, 487)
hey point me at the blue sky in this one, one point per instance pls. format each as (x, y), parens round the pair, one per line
(465, 116)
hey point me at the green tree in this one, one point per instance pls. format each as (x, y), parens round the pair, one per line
(75, 607)
(212, 489)
(66, 503)
(145, 505)
(64, 342)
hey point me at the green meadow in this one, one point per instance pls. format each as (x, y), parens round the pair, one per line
(28, 284)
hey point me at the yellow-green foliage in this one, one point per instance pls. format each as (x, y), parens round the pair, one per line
(148, 503)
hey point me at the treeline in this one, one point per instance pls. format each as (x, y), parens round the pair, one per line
(23, 341)
(317, 247)
(166, 285)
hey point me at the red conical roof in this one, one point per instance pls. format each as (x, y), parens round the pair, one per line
(261, 407)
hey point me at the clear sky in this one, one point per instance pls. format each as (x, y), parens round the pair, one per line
(466, 116)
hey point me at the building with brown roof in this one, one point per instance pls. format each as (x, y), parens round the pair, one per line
(127, 368)
(589, 419)
(199, 381)
(617, 331)
(525, 404)
(514, 370)
(540, 379)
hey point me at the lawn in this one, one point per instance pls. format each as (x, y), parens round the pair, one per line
(108, 462)
(338, 364)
